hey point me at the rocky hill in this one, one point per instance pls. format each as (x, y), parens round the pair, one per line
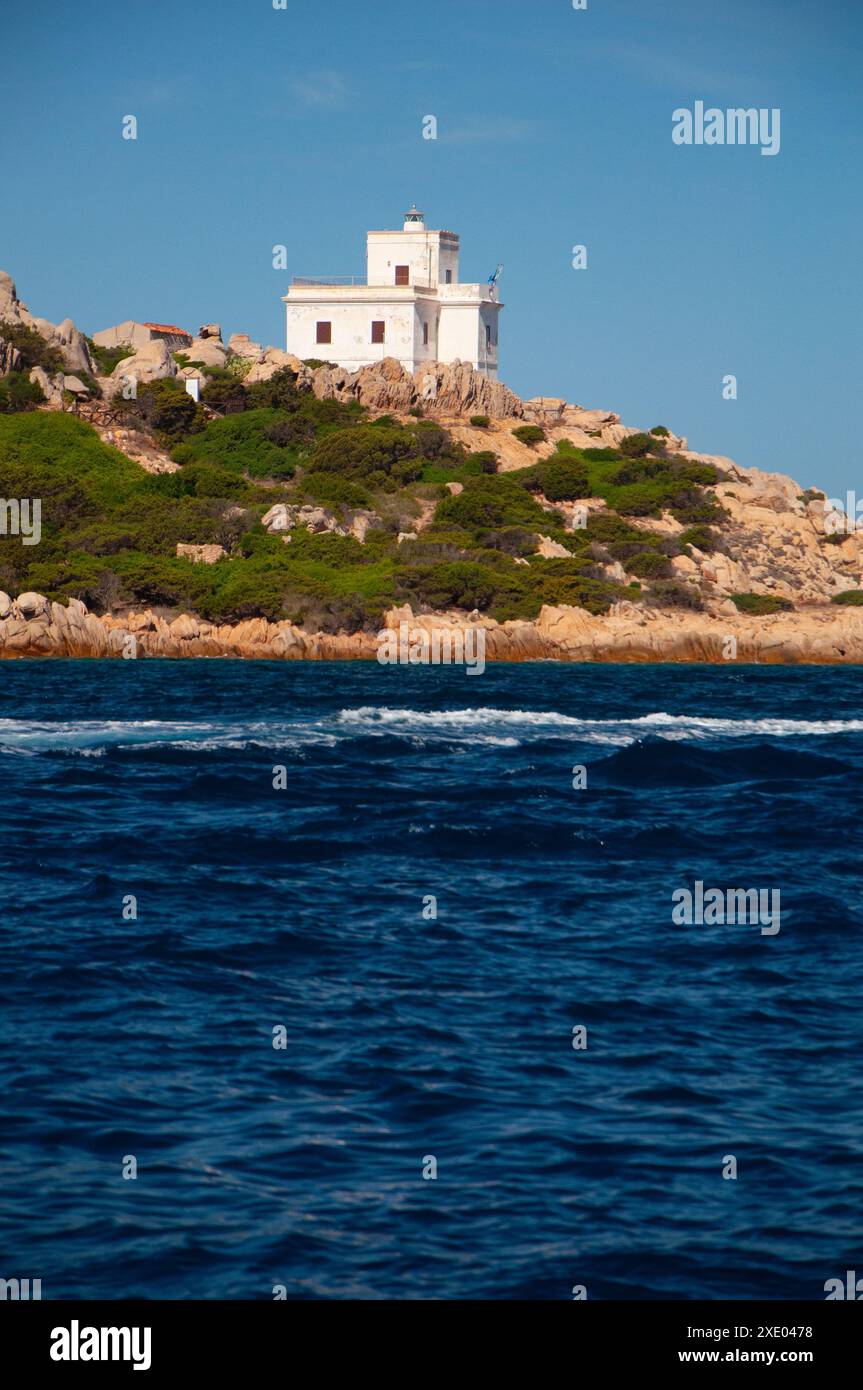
(297, 508)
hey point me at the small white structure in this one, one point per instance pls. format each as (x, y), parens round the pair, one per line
(411, 307)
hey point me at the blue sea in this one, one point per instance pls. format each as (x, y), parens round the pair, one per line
(428, 1036)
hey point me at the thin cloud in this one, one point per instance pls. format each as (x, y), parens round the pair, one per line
(322, 88)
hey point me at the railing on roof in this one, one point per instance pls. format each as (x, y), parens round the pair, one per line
(328, 280)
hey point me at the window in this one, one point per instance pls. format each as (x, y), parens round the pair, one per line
(378, 327)
(425, 335)
(449, 277)
(403, 274)
(487, 336)
(324, 333)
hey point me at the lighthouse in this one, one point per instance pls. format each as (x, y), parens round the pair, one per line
(411, 306)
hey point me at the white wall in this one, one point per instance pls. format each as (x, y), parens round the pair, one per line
(428, 254)
(351, 344)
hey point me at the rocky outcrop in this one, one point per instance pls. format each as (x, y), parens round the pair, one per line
(274, 360)
(31, 626)
(10, 357)
(438, 388)
(201, 554)
(63, 336)
(52, 386)
(241, 345)
(148, 363)
(284, 516)
(211, 351)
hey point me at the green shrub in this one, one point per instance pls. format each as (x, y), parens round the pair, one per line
(489, 504)
(163, 406)
(850, 598)
(756, 605)
(529, 434)
(560, 479)
(291, 432)
(380, 457)
(649, 564)
(661, 431)
(334, 490)
(637, 445)
(671, 593)
(482, 461)
(480, 422)
(17, 392)
(239, 443)
(238, 366)
(595, 455)
(702, 537)
(278, 393)
(226, 394)
(431, 441)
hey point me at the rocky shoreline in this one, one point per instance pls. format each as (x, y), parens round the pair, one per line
(31, 626)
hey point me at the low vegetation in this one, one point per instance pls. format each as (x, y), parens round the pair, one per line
(442, 528)
(757, 605)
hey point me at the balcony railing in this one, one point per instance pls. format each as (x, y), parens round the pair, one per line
(328, 280)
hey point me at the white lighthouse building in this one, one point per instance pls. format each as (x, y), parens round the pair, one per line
(411, 306)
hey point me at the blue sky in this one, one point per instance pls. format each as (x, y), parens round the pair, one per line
(304, 127)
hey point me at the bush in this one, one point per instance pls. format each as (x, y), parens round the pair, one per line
(17, 392)
(702, 537)
(226, 394)
(481, 460)
(529, 434)
(239, 444)
(330, 488)
(491, 504)
(163, 406)
(594, 455)
(636, 446)
(279, 393)
(850, 598)
(379, 456)
(560, 479)
(293, 432)
(661, 431)
(756, 605)
(671, 593)
(480, 422)
(431, 441)
(649, 564)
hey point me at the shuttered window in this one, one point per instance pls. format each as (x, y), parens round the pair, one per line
(425, 335)
(377, 330)
(403, 274)
(324, 333)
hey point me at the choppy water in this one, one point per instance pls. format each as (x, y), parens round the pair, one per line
(409, 1037)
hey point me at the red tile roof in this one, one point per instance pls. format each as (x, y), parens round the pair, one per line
(168, 328)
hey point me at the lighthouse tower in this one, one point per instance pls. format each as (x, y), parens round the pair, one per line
(412, 306)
